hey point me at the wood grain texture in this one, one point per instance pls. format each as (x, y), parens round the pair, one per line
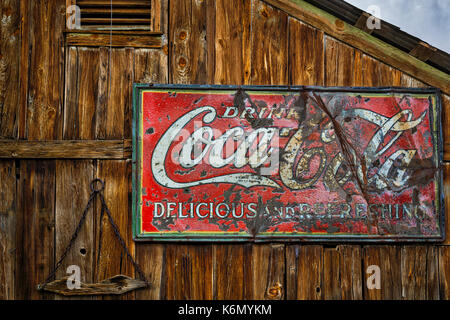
(150, 66)
(304, 279)
(151, 258)
(342, 273)
(378, 74)
(351, 272)
(388, 258)
(188, 46)
(46, 69)
(116, 285)
(269, 272)
(339, 63)
(25, 52)
(233, 271)
(9, 68)
(306, 57)
(432, 273)
(73, 179)
(188, 272)
(446, 170)
(114, 94)
(269, 55)
(7, 228)
(117, 177)
(35, 236)
(331, 273)
(81, 90)
(66, 149)
(414, 264)
(444, 272)
(232, 42)
(117, 39)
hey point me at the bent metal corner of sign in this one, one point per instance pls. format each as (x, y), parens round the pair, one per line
(224, 163)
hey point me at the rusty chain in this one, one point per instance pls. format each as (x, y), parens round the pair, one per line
(94, 192)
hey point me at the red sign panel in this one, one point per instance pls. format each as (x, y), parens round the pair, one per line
(270, 163)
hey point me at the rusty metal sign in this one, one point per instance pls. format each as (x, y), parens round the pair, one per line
(222, 163)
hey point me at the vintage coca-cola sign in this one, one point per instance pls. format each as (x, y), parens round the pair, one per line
(221, 163)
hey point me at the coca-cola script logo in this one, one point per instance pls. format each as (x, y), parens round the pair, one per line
(253, 162)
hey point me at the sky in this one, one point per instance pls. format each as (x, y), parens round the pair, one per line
(428, 20)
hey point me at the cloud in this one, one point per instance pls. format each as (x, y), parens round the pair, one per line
(428, 20)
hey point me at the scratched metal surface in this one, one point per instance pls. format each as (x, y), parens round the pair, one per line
(224, 163)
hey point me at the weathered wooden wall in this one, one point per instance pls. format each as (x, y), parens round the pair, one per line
(51, 90)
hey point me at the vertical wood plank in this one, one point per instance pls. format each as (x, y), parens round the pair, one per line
(358, 69)
(269, 272)
(444, 272)
(232, 271)
(306, 54)
(82, 78)
(388, 258)
(151, 258)
(44, 109)
(151, 67)
(378, 74)
(432, 273)
(331, 274)
(115, 94)
(113, 260)
(269, 53)
(414, 268)
(188, 41)
(305, 272)
(35, 227)
(9, 68)
(155, 24)
(180, 32)
(408, 81)
(446, 171)
(339, 63)
(71, 92)
(350, 276)
(232, 59)
(342, 273)
(72, 193)
(102, 93)
(7, 228)
(189, 272)
(25, 53)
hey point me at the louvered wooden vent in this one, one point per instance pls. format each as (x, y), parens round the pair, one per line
(126, 14)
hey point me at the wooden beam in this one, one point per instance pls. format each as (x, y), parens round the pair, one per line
(364, 42)
(66, 149)
(126, 38)
(362, 22)
(423, 51)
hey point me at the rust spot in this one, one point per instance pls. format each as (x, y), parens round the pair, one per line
(182, 62)
(340, 25)
(275, 292)
(182, 35)
(165, 49)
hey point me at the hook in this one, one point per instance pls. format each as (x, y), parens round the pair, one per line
(93, 187)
